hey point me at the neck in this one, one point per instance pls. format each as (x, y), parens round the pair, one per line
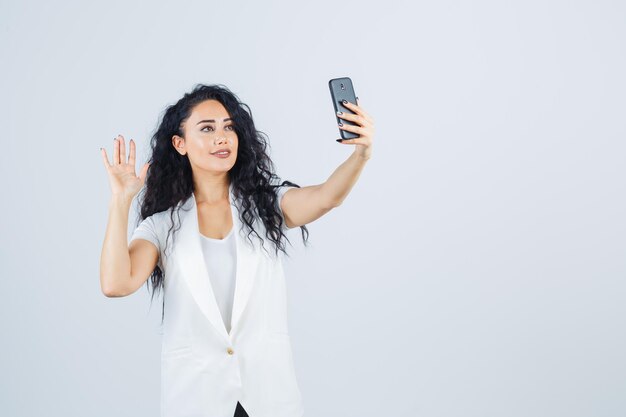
(211, 189)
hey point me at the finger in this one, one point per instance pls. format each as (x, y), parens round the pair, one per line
(131, 157)
(122, 151)
(116, 151)
(144, 172)
(350, 141)
(350, 128)
(358, 110)
(354, 118)
(105, 158)
(365, 114)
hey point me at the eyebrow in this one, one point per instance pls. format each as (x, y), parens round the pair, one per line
(212, 120)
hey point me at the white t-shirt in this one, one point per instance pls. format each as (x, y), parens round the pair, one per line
(219, 254)
(220, 258)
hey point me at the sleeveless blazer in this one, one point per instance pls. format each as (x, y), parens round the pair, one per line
(205, 370)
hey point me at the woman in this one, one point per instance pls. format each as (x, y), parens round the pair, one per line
(226, 348)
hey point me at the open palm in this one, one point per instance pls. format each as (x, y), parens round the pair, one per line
(122, 176)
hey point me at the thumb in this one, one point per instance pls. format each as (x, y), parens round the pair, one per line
(144, 171)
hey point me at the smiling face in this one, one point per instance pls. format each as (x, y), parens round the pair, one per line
(208, 129)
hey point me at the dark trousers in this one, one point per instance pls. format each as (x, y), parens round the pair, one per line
(239, 411)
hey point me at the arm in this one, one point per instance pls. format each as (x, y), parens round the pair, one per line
(340, 183)
(115, 258)
(304, 205)
(123, 269)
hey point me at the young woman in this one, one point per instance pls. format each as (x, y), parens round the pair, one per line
(209, 200)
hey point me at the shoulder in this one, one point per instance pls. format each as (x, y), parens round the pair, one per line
(156, 218)
(163, 220)
(158, 223)
(282, 189)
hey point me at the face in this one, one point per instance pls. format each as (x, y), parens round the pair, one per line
(207, 130)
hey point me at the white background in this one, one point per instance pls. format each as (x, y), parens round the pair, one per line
(477, 267)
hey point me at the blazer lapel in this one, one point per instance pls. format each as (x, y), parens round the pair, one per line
(188, 251)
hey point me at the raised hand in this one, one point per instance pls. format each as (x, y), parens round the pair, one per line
(122, 176)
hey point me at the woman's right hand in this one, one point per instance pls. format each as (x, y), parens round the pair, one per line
(122, 176)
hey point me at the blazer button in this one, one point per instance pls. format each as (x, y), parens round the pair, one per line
(230, 351)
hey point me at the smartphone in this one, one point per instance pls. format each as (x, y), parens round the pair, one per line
(342, 89)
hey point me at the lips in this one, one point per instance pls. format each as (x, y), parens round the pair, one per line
(220, 150)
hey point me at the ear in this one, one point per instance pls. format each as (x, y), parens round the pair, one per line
(179, 144)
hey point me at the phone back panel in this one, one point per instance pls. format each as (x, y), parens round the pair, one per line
(342, 89)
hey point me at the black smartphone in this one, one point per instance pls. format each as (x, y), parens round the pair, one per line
(342, 89)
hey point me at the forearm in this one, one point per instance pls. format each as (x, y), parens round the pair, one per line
(340, 183)
(115, 259)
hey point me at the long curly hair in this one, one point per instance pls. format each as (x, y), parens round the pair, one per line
(169, 180)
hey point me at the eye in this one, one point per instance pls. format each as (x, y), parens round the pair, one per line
(202, 130)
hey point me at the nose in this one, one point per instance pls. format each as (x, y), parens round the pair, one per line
(223, 140)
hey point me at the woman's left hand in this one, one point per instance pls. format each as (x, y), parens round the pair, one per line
(365, 129)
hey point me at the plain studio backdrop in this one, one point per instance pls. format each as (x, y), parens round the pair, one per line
(477, 267)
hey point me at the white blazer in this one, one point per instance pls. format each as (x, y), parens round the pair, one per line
(204, 369)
